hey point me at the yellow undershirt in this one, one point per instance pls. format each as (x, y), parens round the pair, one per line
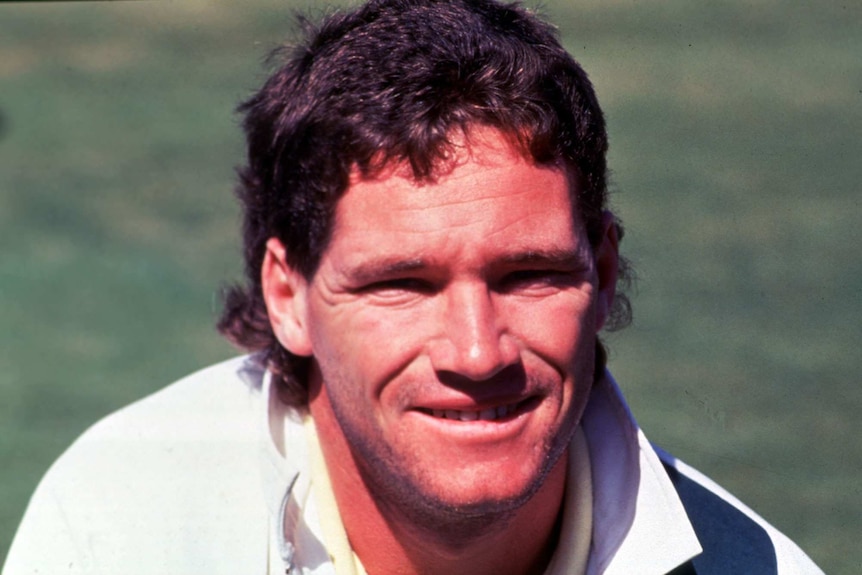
(335, 537)
(570, 557)
(576, 534)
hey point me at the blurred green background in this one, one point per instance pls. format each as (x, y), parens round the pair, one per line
(736, 134)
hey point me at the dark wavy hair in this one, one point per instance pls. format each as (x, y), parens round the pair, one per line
(398, 81)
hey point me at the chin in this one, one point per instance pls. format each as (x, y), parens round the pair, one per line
(468, 501)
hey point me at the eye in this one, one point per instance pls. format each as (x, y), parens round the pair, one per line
(407, 284)
(397, 288)
(537, 279)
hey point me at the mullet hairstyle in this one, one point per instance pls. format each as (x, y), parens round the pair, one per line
(400, 82)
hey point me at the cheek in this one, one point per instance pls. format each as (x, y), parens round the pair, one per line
(363, 349)
(561, 331)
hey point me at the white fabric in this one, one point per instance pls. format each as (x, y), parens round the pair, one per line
(209, 476)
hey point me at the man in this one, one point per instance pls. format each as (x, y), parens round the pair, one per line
(429, 260)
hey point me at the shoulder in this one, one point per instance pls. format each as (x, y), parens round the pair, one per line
(202, 426)
(200, 415)
(169, 474)
(735, 538)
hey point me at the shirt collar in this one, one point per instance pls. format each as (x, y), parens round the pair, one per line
(639, 523)
(295, 541)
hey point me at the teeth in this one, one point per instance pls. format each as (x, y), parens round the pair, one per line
(489, 414)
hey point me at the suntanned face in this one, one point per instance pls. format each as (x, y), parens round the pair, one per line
(452, 326)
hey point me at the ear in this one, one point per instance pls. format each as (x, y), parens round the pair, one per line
(607, 255)
(285, 292)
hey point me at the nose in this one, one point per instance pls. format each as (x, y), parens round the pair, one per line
(472, 339)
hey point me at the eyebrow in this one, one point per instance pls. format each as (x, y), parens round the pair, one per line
(560, 258)
(388, 267)
(369, 271)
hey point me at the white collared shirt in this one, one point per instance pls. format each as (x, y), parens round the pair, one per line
(209, 476)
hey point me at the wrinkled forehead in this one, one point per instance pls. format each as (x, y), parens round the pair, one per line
(493, 208)
(478, 145)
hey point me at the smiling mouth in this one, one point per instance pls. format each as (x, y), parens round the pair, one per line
(498, 413)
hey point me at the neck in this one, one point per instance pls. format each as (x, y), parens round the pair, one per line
(388, 541)
(520, 542)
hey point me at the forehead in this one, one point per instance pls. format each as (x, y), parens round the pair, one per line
(477, 170)
(490, 196)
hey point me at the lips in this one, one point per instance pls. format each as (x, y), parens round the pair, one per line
(493, 413)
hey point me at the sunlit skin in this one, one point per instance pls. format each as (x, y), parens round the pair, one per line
(452, 326)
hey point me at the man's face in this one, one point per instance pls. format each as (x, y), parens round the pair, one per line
(453, 329)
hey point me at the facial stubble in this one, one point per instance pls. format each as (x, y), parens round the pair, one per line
(405, 496)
